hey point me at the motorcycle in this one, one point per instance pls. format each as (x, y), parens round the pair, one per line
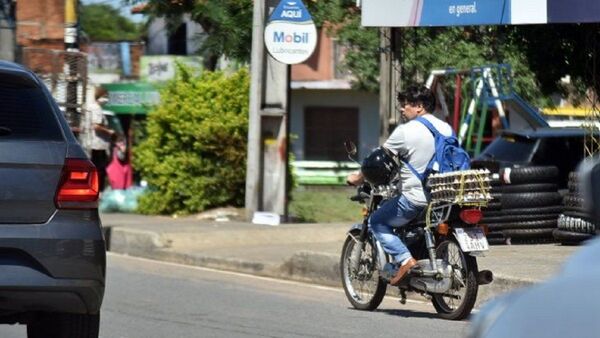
(445, 240)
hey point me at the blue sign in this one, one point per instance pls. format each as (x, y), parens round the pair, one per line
(290, 34)
(464, 12)
(291, 11)
(419, 13)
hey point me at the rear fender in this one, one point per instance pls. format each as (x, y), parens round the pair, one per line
(354, 232)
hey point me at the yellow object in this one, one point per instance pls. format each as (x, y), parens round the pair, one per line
(567, 111)
(70, 12)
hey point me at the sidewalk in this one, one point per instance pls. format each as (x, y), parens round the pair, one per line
(304, 252)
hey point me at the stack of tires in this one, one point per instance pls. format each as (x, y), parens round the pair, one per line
(525, 207)
(575, 223)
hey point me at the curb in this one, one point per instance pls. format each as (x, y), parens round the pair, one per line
(302, 266)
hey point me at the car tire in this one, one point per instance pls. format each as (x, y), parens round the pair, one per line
(61, 325)
(529, 233)
(578, 214)
(528, 225)
(495, 238)
(570, 237)
(528, 175)
(576, 209)
(575, 224)
(518, 218)
(534, 199)
(554, 209)
(573, 187)
(573, 200)
(520, 188)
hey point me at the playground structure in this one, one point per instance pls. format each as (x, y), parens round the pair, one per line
(483, 103)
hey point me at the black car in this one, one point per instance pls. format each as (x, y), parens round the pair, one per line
(560, 147)
(53, 256)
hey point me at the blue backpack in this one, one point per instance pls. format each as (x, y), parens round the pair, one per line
(448, 156)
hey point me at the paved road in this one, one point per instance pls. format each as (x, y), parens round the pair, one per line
(152, 299)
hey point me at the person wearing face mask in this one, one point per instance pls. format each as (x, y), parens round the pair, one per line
(414, 144)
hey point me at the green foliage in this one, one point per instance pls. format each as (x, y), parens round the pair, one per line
(194, 156)
(227, 25)
(425, 49)
(570, 49)
(102, 22)
(324, 205)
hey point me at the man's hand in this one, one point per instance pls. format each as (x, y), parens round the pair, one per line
(355, 178)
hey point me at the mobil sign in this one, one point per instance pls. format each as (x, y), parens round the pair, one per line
(290, 34)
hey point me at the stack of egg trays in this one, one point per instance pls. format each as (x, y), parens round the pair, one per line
(446, 187)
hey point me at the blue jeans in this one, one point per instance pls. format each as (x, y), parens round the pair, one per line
(395, 212)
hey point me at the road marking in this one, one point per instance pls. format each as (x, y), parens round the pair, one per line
(231, 273)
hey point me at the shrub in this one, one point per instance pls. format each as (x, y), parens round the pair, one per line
(194, 156)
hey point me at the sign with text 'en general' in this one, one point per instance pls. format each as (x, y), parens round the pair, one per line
(424, 13)
(290, 34)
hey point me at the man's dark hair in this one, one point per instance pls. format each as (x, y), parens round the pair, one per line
(418, 95)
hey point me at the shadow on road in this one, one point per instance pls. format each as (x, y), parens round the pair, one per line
(408, 313)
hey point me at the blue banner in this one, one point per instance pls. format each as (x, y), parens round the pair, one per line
(418, 13)
(464, 12)
(291, 11)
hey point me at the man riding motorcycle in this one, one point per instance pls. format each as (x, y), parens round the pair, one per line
(414, 144)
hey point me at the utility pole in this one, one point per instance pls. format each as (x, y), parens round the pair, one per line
(266, 172)
(390, 73)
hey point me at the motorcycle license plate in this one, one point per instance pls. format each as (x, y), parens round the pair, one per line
(472, 239)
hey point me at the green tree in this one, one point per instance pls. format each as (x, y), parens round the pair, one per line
(102, 22)
(529, 49)
(194, 156)
(227, 25)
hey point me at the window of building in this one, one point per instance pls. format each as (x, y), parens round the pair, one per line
(326, 129)
(339, 53)
(178, 41)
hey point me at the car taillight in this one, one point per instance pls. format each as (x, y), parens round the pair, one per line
(78, 188)
(470, 216)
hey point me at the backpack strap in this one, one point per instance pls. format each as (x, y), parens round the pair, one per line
(428, 124)
(414, 171)
(435, 133)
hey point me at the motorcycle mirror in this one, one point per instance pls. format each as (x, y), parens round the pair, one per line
(350, 148)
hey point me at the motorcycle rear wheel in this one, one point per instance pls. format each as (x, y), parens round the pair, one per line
(457, 303)
(364, 287)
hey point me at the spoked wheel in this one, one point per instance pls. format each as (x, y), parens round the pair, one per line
(457, 303)
(362, 283)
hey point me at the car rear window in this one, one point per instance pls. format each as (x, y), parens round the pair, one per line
(25, 112)
(510, 149)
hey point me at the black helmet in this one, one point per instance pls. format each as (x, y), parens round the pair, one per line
(379, 167)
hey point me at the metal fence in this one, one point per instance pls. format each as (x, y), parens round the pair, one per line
(65, 74)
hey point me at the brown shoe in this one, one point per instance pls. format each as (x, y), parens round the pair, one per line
(402, 271)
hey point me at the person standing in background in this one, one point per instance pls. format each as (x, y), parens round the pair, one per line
(98, 135)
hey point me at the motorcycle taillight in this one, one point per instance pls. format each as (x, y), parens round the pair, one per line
(470, 216)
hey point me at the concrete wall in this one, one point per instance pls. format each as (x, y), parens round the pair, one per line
(320, 65)
(40, 23)
(368, 121)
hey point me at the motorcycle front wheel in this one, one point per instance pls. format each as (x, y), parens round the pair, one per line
(457, 303)
(362, 283)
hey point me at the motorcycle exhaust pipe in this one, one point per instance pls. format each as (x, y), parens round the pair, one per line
(485, 277)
